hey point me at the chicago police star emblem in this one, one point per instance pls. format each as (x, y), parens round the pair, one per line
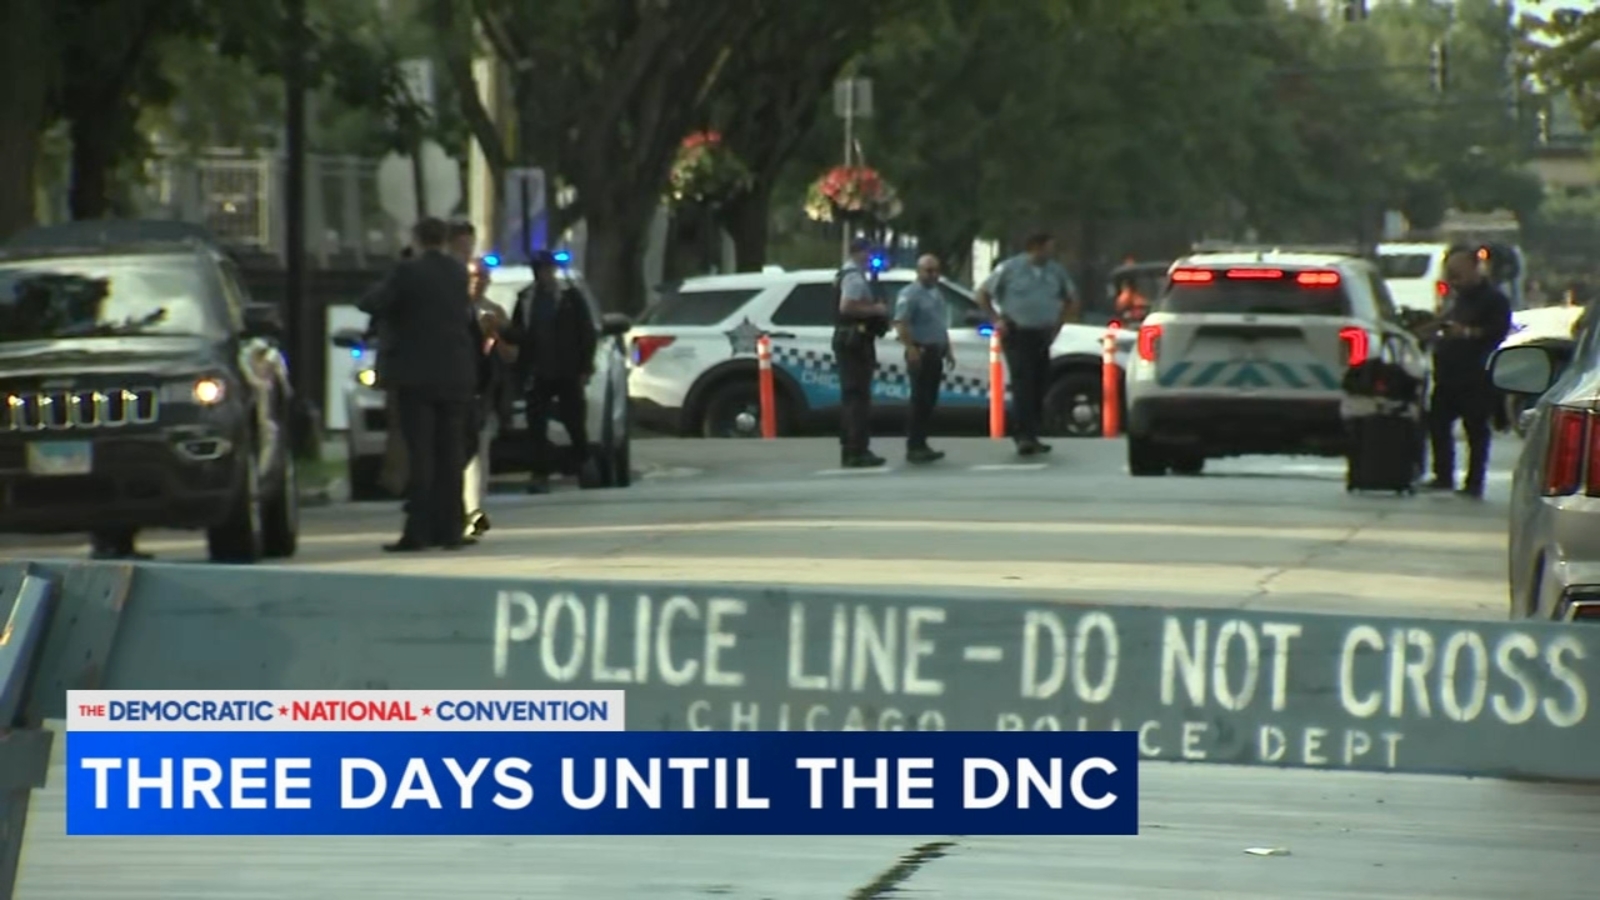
(742, 338)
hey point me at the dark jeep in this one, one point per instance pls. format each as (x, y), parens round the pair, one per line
(140, 388)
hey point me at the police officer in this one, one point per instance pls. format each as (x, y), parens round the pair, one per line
(1477, 320)
(1035, 297)
(863, 318)
(922, 323)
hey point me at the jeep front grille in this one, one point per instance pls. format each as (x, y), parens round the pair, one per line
(64, 410)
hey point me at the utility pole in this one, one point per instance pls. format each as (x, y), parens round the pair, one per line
(304, 329)
(852, 99)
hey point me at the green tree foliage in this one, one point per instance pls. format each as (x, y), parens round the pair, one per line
(1112, 119)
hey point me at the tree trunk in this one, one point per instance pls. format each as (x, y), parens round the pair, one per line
(93, 158)
(748, 220)
(25, 70)
(613, 260)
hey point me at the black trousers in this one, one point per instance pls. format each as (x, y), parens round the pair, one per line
(857, 357)
(925, 375)
(433, 426)
(1473, 406)
(1027, 353)
(563, 397)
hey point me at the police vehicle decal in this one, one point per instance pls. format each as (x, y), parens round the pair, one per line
(1247, 374)
(742, 338)
(818, 377)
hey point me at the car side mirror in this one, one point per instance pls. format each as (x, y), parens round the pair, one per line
(262, 320)
(615, 324)
(1527, 370)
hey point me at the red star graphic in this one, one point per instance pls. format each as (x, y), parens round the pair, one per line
(427, 710)
(283, 711)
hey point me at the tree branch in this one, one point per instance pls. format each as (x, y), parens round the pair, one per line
(458, 66)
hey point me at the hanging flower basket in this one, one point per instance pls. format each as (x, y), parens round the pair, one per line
(705, 171)
(852, 193)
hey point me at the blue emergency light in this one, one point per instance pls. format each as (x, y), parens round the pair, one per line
(562, 257)
(355, 352)
(491, 260)
(878, 263)
(985, 330)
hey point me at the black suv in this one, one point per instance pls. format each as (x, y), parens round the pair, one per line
(140, 388)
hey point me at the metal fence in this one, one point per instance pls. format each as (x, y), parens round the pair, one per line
(239, 197)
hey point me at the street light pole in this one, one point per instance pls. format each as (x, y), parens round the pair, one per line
(302, 335)
(849, 152)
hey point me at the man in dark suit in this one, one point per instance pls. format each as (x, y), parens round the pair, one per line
(555, 337)
(1476, 322)
(430, 358)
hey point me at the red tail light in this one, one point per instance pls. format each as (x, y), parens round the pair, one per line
(1356, 344)
(1593, 475)
(1563, 462)
(1443, 289)
(1317, 279)
(646, 346)
(1255, 274)
(1149, 338)
(1193, 276)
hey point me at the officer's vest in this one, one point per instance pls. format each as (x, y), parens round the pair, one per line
(838, 292)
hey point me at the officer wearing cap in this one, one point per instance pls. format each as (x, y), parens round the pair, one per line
(863, 318)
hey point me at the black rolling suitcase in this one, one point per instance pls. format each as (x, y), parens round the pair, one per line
(1383, 454)
(1383, 418)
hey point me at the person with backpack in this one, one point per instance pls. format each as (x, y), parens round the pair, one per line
(862, 319)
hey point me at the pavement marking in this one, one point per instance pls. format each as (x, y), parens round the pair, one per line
(678, 472)
(1387, 536)
(1009, 467)
(982, 654)
(881, 470)
(1230, 585)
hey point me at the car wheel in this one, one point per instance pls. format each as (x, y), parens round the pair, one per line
(365, 474)
(734, 411)
(280, 517)
(1188, 464)
(1072, 406)
(1145, 458)
(238, 539)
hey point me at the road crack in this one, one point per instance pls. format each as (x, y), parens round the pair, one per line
(1263, 586)
(889, 880)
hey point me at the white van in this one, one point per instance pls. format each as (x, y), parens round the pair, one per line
(1414, 274)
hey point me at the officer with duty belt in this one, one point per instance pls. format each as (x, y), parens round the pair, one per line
(863, 318)
(921, 320)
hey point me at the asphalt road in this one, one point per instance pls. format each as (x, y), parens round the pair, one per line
(1258, 533)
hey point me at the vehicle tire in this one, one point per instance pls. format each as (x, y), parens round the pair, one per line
(366, 478)
(733, 410)
(1188, 464)
(1145, 458)
(1072, 406)
(238, 539)
(280, 515)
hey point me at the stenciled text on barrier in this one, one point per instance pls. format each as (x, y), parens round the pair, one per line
(1222, 686)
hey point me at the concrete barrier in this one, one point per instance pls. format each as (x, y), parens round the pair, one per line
(1226, 686)
(1222, 686)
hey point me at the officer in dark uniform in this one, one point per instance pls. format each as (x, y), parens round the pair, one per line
(1477, 320)
(863, 318)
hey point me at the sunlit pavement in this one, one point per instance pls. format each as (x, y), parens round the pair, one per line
(1257, 533)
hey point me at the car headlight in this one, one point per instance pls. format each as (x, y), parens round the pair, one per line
(207, 390)
(367, 378)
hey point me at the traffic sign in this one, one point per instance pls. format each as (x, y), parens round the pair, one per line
(522, 204)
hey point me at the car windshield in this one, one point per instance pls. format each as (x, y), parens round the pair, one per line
(86, 298)
(1404, 265)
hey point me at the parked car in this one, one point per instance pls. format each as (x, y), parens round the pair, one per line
(1554, 562)
(610, 428)
(143, 389)
(694, 358)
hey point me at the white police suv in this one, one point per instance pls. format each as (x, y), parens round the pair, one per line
(693, 358)
(1245, 353)
(609, 424)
